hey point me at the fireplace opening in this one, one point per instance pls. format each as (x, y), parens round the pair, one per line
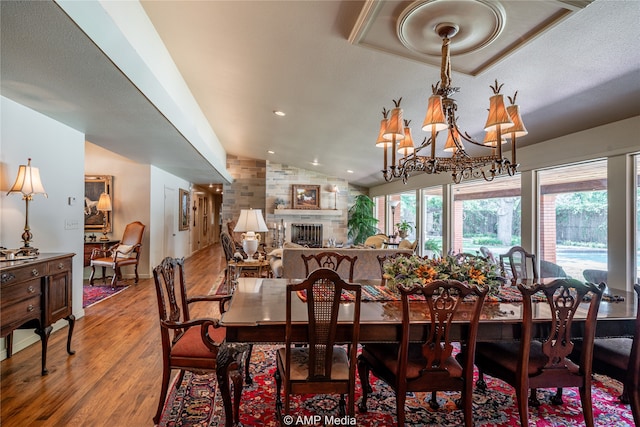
(307, 235)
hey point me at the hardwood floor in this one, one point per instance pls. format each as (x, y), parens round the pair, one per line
(114, 377)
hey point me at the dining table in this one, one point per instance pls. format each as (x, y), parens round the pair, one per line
(257, 310)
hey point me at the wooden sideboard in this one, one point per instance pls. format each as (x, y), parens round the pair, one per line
(35, 294)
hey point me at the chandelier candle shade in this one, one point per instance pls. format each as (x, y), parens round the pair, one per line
(502, 123)
(28, 184)
(104, 206)
(249, 223)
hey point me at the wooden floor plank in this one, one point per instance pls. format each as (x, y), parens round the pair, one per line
(114, 377)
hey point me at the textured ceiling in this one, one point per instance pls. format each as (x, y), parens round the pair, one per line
(242, 60)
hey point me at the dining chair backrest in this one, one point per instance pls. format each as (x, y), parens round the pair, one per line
(541, 358)
(323, 289)
(445, 301)
(320, 366)
(343, 264)
(564, 297)
(227, 246)
(427, 363)
(522, 264)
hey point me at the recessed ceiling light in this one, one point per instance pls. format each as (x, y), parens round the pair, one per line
(349, 171)
(271, 152)
(279, 113)
(315, 163)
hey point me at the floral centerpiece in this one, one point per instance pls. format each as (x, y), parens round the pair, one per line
(416, 270)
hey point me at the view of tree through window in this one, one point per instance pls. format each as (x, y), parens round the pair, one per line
(487, 216)
(432, 221)
(573, 221)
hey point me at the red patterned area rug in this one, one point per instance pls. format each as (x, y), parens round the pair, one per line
(196, 402)
(94, 294)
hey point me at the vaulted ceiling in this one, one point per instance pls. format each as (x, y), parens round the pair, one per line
(331, 66)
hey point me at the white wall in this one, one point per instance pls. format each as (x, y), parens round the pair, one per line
(58, 151)
(130, 189)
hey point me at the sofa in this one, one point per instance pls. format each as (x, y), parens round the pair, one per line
(287, 262)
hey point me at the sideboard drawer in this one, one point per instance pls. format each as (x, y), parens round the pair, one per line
(21, 312)
(59, 266)
(20, 291)
(25, 273)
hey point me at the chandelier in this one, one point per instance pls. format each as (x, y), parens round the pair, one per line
(502, 123)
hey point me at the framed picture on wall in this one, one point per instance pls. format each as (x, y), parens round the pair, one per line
(94, 219)
(306, 196)
(183, 217)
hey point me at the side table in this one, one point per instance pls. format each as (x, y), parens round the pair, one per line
(247, 269)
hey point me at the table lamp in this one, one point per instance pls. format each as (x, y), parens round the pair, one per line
(104, 206)
(28, 183)
(250, 222)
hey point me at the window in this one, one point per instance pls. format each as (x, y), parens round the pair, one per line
(403, 212)
(432, 221)
(379, 213)
(487, 216)
(573, 221)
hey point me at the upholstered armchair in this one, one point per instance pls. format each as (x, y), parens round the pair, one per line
(127, 252)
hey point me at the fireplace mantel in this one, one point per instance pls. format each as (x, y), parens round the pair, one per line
(307, 212)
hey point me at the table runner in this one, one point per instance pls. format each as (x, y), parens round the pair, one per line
(374, 293)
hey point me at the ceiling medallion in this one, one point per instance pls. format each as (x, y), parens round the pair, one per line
(480, 22)
(441, 114)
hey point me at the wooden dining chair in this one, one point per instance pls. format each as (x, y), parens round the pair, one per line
(319, 367)
(195, 345)
(522, 264)
(343, 264)
(532, 363)
(428, 365)
(126, 252)
(229, 249)
(619, 358)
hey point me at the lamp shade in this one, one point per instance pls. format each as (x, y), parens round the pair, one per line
(491, 137)
(395, 125)
(453, 142)
(435, 115)
(104, 203)
(518, 127)
(381, 142)
(498, 115)
(406, 146)
(251, 220)
(28, 181)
